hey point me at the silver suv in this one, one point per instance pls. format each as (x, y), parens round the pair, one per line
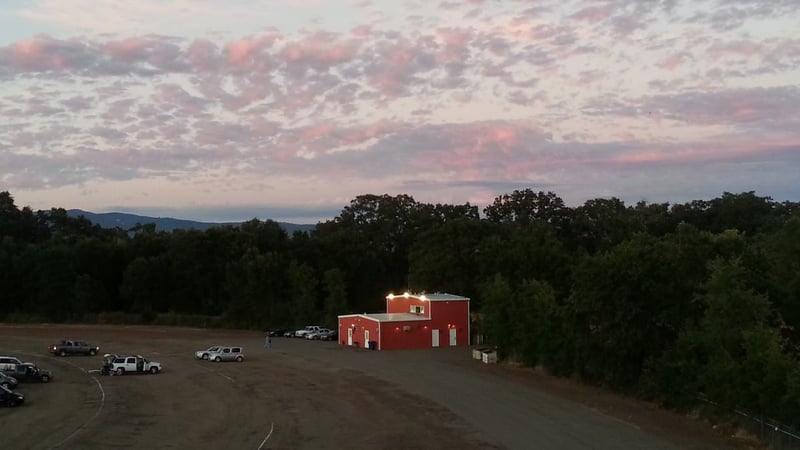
(227, 354)
(8, 364)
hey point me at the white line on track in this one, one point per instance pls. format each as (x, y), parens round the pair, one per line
(271, 429)
(83, 426)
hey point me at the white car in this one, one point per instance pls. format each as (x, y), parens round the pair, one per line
(134, 364)
(306, 330)
(316, 335)
(203, 354)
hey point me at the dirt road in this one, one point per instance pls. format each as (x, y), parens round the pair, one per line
(313, 395)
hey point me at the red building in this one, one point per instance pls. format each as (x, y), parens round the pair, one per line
(410, 321)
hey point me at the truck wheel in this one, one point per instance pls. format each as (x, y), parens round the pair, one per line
(62, 353)
(205, 356)
(239, 359)
(12, 403)
(45, 379)
(92, 352)
(217, 359)
(154, 370)
(120, 371)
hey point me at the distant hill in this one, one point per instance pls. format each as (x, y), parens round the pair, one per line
(126, 221)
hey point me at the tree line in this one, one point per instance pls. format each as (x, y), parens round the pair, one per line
(662, 301)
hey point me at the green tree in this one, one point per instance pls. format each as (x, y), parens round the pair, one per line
(780, 252)
(303, 288)
(255, 288)
(145, 284)
(448, 258)
(497, 314)
(732, 355)
(532, 311)
(335, 286)
(526, 206)
(630, 304)
(600, 224)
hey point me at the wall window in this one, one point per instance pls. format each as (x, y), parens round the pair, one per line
(417, 309)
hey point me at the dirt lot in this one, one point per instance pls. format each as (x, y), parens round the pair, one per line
(314, 395)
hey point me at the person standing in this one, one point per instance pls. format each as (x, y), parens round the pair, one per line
(268, 341)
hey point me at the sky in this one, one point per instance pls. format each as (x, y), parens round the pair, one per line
(230, 110)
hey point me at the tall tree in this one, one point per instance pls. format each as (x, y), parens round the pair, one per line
(601, 223)
(303, 286)
(448, 258)
(256, 290)
(526, 206)
(497, 314)
(335, 286)
(732, 355)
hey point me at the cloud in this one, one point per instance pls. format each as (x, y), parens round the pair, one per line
(469, 96)
(764, 109)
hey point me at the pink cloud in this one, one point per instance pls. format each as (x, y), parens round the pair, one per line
(319, 51)
(393, 67)
(593, 13)
(128, 49)
(203, 55)
(741, 48)
(704, 152)
(43, 53)
(249, 52)
(672, 61)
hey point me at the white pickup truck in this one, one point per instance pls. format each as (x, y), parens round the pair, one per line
(134, 364)
(306, 330)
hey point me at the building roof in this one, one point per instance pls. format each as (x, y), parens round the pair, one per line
(434, 297)
(389, 317)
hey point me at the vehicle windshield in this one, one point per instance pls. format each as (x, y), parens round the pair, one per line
(212, 349)
(5, 390)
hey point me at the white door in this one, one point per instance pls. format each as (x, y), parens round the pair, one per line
(435, 336)
(366, 338)
(452, 337)
(349, 336)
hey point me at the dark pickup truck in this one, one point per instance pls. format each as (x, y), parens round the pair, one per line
(64, 348)
(28, 372)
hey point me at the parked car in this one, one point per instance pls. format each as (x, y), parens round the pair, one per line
(8, 381)
(66, 347)
(10, 398)
(288, 333)
(134, 364)
(316, 335)
(28, 372)
(330, 335)
(8, 364)
(306, 330)
(203, 354)
(227, 354)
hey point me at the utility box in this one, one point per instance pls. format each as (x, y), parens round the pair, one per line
(489, 357)
(477, 353)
